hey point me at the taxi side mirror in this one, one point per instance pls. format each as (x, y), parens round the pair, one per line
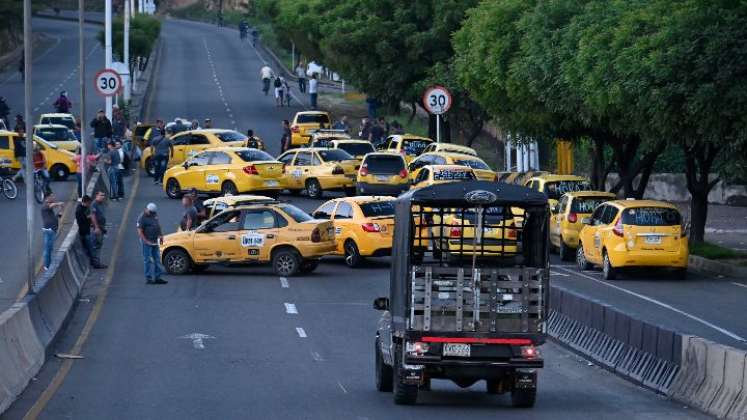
(186, 165)
(586, 220)
(381, 304)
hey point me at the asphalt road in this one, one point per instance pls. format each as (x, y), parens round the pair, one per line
(259, 359)
(55, 68)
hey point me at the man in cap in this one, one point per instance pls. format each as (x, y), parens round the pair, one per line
(149, 231)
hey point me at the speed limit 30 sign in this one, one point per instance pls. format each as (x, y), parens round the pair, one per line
(108, 82)
(437, 100)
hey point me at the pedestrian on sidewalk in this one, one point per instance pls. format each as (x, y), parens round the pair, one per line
(122, 166)
(102, 130)
(364, 132)
(313, 90)
(62, 105)
(119, 124)
(50, 226)
(376, 135)
(98, 212)
(301, 74)
(149, 232)
(285, 141)
(111, 164)
(85, 222)
(189, 218)
(384, 126)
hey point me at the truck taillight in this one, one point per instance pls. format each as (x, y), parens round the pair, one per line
(572, 217)
(403, 173)
(371, 227)
(417, 348)
(618, 229)
(316, 235)
(295, 129)
(251, 170)
(529, 352)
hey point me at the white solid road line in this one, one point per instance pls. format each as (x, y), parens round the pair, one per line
(659, 303)
(284, 283)
(290, 308)
(739, 284)
(301, 332)
(342, 387)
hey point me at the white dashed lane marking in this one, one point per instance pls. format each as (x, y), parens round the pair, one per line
(301, 332)
(290, 308)
(217, 83)
(284, 283)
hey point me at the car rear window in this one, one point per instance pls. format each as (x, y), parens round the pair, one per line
(227, 136)
(586, 205)
(356, 149)
(491, 215)
(55, 134)
(67, 122)
(651, 216)
(312, 118)
(295, 213)
(254, 156)
(334, 155)
(472, 163)
(555, 189)
(414, 147)
(452, 174)
(379, 164)
(378, 209)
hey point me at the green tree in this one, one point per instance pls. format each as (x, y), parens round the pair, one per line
(144, 30)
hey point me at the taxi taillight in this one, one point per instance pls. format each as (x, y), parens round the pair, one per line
(251, 170)
(455, 232)
(364, 170)
(618, 229)
(295, 129)
(316, 235)
(511, 233)
(371, 227)
(572, 217)
(403, 173)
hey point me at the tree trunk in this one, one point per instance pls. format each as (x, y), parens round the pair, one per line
(699, 160)
(598, 175)
(698, 216)
(413, 112)
(628, 169)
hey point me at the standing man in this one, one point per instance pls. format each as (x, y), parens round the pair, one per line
(20, 127)
(377, 133)
(189, 219)
(102, 130)
(98, 213)
(313, 90)
(301, 74)
(85, 221)
(199, 206)
(149, 232)
(19, 153)
(62, 104)
(111, 163)
(4, 111)
(50, 226)
(208, 123)
(266, 74)
(123, 161)
(162, 149)
(119, 124)
(285, 141)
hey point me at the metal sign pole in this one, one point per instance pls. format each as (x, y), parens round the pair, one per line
(438, 128)
(82, 80)
(108, 49)
(28, 175)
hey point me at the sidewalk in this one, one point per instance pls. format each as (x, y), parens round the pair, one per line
(726, 225)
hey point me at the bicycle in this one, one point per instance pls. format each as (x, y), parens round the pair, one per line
(8, 187)
(41, 186)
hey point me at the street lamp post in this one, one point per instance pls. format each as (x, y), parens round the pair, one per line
(82, 80)
(108, 48)
(28, 175)
(126, 52)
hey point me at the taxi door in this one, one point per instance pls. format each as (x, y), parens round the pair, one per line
(345, 227)
(557, 215)
(180, 143)
(219, 239)
(194, 174)
(197, 144)
(214, 173)
(7, 158)
(299, 171)
(259, 233)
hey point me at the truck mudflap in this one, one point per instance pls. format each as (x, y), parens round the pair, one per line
(412, 374)
(525, 379)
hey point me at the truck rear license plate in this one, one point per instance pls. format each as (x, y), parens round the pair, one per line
(456, 349)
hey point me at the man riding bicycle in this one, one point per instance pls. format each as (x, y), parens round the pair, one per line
(266, 74)
(243, 28)
(40, 168)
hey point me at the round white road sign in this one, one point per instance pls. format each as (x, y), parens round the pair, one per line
(437, 100)
(108, 82)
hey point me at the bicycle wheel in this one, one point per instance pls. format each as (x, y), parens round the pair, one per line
(38, 190)
(10, 191)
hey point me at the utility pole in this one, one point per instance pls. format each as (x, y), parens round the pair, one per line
(28, 175)
(108, 48)
(82, 81)
(126, 52)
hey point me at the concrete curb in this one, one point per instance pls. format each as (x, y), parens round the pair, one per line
(715, 267)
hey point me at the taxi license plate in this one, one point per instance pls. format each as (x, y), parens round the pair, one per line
(382, 178)
(653, 239)
(271, 184)
(456, 349)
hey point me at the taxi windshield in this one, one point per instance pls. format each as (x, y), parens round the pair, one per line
(55, 133)
(452, 175)
(414, 147)
(227, 136)
(586, 204)
(472, 163)
(67, 122)
(651, 216)
(378, 209)
(557, 188)
(295, 213)
(254, 156)
(334, 155)
(356, 149)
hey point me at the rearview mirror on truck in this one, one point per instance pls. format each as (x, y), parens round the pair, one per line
(381, 304)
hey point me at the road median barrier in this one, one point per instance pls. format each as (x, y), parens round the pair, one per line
(705, 375)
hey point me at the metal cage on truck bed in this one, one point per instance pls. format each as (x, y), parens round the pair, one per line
(470, 259)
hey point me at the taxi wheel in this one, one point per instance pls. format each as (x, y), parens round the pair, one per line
(610, 273)
(59, 172)
(313, 188)
(173, 189)
(286, 262)
(229, 188)
(583, 265)
(353, 257)
(564, 251)
(177, 261)
(150, 168)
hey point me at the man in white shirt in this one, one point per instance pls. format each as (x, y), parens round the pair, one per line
(313, 90)
(120, 170)
(266, 74)
(301, 74)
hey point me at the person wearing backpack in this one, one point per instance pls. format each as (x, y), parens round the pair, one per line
(279, 101)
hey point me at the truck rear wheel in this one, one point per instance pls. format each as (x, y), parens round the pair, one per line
(383, 371)
(523, 398)
(404, 394)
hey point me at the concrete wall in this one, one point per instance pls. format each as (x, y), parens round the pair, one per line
(673, 187)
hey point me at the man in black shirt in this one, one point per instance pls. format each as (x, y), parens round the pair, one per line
(199, 206)
(85, 221)
(50, 226)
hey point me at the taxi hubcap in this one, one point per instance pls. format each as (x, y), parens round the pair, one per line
(176, 262)
(285, 264)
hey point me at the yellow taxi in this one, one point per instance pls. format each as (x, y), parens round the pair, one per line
(141, 134)
(305, 121)
(480, 168)
(556, 185)
(363, 226)
(59, 135)
(225, 170)
(450, 148)
(317, 170)
(216, 205)
(276, 233)
(409, 146)
(356, 148)
(68, 120)
(382, 173)
(322, 137)
(566, 216)
(439, 174)
(189, 143)
(633, 233)
(60, 162)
